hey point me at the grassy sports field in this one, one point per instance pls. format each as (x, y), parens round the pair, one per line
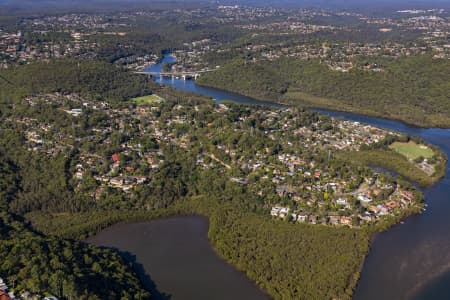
(150, 99)
(412, 150)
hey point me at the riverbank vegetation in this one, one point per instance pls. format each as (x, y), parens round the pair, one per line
(410, 89)
(391, 161)
(288, 261)
(388, 160)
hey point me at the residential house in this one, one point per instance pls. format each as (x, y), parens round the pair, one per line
(4, 295)
(3, 286)
(364, 198)
(312, 219)
(302, 217)
(346, 221)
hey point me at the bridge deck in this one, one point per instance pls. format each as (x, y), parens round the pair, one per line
(173, 73)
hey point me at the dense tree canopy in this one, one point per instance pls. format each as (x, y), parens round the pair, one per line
(89, 78)
(412, 89)
(66, 269)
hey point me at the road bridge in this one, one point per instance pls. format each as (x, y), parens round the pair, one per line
(184, 75)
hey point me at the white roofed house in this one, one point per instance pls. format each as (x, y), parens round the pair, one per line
(294, 216)
(312, 219)
(116, 182)
(302, 217)
(3, 286)
(279, 211)
(364, 198)
(283, 212)
(275, 211)
(341, 201)
(74, 112)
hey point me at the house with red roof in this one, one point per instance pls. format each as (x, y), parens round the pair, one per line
(4, 295)
(115, 157)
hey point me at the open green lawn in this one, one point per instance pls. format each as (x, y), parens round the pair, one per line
(150, 99)
(412, 150)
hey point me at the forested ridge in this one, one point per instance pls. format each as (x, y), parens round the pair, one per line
(66, 268)
(89, 78)
(411, 89)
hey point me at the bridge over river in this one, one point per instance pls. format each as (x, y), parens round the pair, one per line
(183, 75)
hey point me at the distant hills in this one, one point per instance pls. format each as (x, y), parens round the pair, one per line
(25, 6)
(9, 6)
(371, 6)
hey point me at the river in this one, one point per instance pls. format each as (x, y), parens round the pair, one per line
(409, 261)
(175, 260)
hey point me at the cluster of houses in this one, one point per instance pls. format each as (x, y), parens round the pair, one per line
(9, 45)
(338, 56)
(34, 133)
(367, 211)
(291, 174)
(119, 176)
(14, 49)
(426, 167)
(350, 135)
(289, 26)
(310, 218)
(191, 59)
(78, 29)
(9, 294)
(106, 171)
(304, 180)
